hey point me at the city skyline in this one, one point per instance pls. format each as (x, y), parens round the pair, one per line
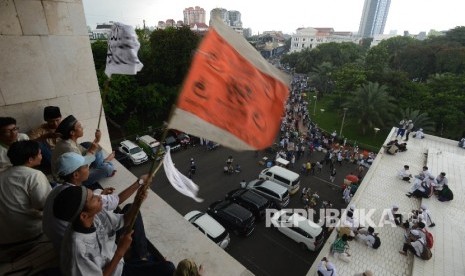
(413, 15)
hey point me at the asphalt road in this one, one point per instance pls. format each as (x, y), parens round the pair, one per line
(266, 251)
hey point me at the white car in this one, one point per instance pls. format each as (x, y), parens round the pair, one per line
(210, 227)
(303, 231)
(133, 151)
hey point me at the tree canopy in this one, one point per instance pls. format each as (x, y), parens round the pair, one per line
(145, 99)
(424, 76)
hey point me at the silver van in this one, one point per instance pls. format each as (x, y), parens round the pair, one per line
(270, 190)
(283, 177)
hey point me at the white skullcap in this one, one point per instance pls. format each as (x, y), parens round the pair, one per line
(416, 233)
(423, 207)
(330, 266)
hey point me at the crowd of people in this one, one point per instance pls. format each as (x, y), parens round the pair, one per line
(50, 193)
(417, 240)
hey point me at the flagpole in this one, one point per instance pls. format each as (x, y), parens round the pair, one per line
(134, 210)
(106, 86)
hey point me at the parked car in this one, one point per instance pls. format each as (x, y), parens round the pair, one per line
(270, 190)
(253, 202)
(210, 227)
(283, 177)
(151, 146)
(172, 143)
(183, 139)
(133, 151)
(303, 231)
(231, 215)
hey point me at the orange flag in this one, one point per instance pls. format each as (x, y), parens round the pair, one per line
(231, 95)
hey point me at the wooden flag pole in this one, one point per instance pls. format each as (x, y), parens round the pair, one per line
(106, 87)
(138, 199)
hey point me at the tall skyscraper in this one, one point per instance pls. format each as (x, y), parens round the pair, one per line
(235, 19)
(220, 13)
(374, 17)
(194, 15)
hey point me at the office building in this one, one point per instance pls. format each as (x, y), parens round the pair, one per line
(374, 17)
(194, 15)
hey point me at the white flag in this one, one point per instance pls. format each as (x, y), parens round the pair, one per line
(122, 51)
(180, 182)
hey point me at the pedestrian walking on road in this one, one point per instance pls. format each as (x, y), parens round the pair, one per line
(308, 167)
(319, 166)
(332, 176)
(193, 167)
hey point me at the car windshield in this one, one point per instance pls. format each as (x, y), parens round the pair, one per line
(135, 150)
(285, 216)
(194, 218)
(220, 238)
(170, 140)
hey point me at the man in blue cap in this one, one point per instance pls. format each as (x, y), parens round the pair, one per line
(73, 168)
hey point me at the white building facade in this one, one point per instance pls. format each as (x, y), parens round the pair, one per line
(310, 38)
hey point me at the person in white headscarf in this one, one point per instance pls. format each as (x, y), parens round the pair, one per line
(415, 244)
(427, 216)
(440, 181)
(394, 216)
(326, 268)
(404, 174)
(419, 134)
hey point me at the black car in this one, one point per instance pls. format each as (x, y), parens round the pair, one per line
(253, 202)
(172, 143)
(231, 215)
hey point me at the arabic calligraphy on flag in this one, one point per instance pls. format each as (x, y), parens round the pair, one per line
(231, 95)
(122, 51)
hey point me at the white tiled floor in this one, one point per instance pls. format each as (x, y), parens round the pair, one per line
(381, 188)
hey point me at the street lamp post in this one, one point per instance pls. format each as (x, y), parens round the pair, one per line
(314, 106)
(343, 119)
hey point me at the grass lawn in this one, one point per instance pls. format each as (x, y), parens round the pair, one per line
(330, 120)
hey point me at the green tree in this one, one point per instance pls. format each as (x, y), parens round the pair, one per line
(419, 119)
(446, 103)
(451, 59)
(418, 60)
(337, 54)
(394, 47)
(321, 78)
(172, 52)
(457, 35)
(371, 106)
(99, 52)
(377, 62)
(349, 77)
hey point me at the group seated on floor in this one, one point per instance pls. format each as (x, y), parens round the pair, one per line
(394, 147)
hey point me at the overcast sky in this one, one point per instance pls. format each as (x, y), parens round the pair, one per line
(288, 15)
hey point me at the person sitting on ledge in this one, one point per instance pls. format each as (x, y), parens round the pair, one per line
(23, 191)
(405, 174)
(392, 147)
(71, 130)
(46, 136)
(89, 245)
(419, 134)
(8, 135)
